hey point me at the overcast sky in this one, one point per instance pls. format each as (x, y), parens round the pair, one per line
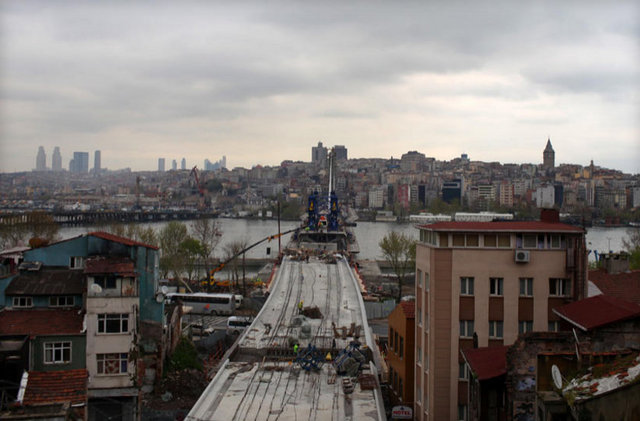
(261, 82)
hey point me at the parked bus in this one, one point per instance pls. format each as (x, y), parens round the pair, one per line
(236, 324)
(204, 303)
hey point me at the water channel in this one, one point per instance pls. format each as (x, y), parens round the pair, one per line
(368, 234)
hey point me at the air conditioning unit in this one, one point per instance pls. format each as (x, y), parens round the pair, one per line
(522, 256)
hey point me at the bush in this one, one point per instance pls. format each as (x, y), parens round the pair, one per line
(184, 357)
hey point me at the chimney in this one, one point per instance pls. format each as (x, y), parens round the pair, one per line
(615, 263)
(550, 215)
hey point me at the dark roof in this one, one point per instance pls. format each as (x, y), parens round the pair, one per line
(488, 362)
(597, 311)
(38, 321)
(122, 240)
(110, 264)
(47, 282)
(499, 226)
(409, 309)
(56, 386)
(625, 285)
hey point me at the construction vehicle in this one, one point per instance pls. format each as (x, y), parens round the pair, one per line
(204, 201)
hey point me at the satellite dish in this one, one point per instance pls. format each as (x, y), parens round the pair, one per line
(159, 297)
(557, 377)
(95, 288)
(164, 289)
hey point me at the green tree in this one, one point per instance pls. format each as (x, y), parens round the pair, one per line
(169, 240)
(400, 251)
(632, 245)
(190, 250)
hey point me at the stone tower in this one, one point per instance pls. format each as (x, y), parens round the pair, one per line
(548, 156)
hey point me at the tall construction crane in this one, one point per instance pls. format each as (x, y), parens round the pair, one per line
(202, 203)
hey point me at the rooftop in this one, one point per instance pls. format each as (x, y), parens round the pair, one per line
(47, 282)
(594, 312)
(56, 386)
(408, 308)
(487, 362)
(502, 226)
(122, 240)
(37, 321)
(625, 285)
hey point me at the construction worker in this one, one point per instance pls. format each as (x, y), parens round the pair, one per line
(295, 348)
(300, 304)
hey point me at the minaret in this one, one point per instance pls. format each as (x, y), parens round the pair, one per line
(548, 156)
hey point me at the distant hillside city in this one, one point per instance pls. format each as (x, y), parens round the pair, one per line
(395, 187)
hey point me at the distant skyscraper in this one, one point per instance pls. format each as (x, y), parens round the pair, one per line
(96, 162)
(548, 156)
(318, 154)
(183, 164)
(41, 160)
(79, 163)
(161, 164)
(341, 152)
(174, 165)
(56, 161)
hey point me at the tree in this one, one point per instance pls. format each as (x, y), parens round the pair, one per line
(134, 232)
(400, 251)
(632, 245)
(170, 238)
(18, 229)
(232, 249)
(207, 232)
(190, 250)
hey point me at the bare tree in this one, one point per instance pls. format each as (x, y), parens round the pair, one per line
(400, 251)
(632, 244)
(235, 249)
(208, 233)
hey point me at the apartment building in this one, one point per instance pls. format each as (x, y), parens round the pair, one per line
(400, 355)
(482, 284)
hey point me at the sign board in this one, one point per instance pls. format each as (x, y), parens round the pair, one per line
(402, 412)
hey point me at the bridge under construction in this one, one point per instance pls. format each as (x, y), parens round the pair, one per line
(309, 354)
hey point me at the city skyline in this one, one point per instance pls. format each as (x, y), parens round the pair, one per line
(261, 84)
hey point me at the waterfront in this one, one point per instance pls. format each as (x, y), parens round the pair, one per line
(368, 234)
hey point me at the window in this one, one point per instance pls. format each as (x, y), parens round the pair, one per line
(495, 329)
(419, 315)
(22, 302)
(466, 285)
(462, 412)
(525, 326)
(390, 338)
(57, 352)
(554, 241)
(401, 347)
(419, 278)
(76, 262)
(113, 323)
(458, 240)
(395, 342)
(490, 240)
(395, 380)
(495, 286)
(426, 321)
(553, 326)
(526, 287)
(463, 373)
(504, 240)
(105, 282)
(418, 395)
(530, 241)
(559, 287)
(61, 301)
(419, 357)
(115, 363)
(466, 328)
(400, 389)
(472, 240)
(426, 281)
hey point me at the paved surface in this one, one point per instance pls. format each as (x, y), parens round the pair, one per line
(257, 384)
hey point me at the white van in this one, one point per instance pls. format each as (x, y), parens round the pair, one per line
(236, 324)
(239, 299)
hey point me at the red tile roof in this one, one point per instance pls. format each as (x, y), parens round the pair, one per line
(597, 311)
(499, 226)
(487, 363)
(35, 322)
(625, 285)
(56, 386)
(113, 265)
(409, 309)
(122, 240)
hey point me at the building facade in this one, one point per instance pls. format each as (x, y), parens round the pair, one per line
(483, 284)
(56, 160)
(41, 160)
(400, 353)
